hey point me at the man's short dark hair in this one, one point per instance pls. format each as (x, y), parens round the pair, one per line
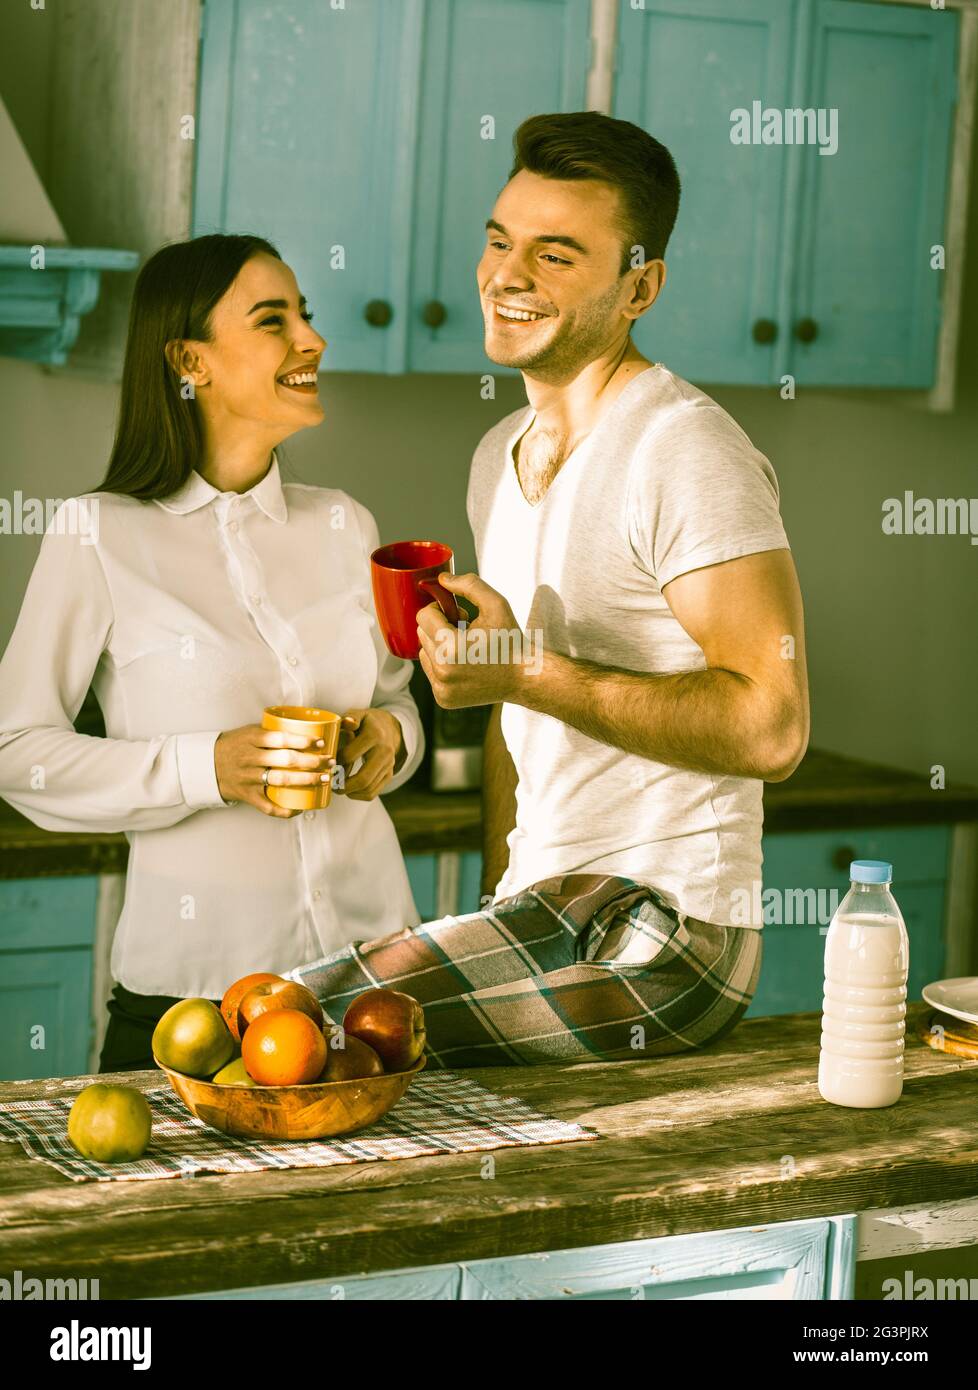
(588, 145)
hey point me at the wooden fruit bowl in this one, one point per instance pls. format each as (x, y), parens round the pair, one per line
(319, 1110)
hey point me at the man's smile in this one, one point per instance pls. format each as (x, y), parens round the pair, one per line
(511, 314)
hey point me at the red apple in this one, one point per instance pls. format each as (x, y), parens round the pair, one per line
(277, 994)
(349, 1058)
(391, 1022)
(235, 993)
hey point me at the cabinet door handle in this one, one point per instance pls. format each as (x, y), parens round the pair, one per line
(434, 313)
(806, 330)
(764, 331)
(843, 857)
(378, 313)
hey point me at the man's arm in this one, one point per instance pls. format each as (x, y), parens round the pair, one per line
(498, 803)
(746, 715)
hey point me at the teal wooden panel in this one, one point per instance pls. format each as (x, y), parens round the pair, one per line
(428, 1283)
(840, 1272)
(918, 853)
(45, 1013)
(422, 872)
(873, 210)
(49, 912)
(470, 880)
(793, 956)
(790, 1260)
(504, 59)
(786, 1261)
(683, 67)
(305, 133)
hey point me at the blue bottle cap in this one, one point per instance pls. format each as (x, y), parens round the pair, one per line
(870, 871)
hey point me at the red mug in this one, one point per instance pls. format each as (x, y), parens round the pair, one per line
(405, 580)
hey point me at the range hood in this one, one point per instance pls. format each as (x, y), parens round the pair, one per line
(46, 286)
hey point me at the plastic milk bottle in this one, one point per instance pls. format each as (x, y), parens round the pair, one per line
(867, 956)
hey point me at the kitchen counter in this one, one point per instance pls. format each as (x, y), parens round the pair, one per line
(687, 1144)
(827, 791)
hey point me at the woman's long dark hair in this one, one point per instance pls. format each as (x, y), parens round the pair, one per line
(159, 439)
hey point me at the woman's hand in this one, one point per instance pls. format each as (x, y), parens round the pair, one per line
(379, 742)
(242, 755)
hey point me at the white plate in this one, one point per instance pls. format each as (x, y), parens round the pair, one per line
(959, 997)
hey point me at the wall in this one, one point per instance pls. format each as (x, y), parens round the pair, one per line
(892, 621)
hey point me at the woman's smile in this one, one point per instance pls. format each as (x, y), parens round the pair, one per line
(304, 381)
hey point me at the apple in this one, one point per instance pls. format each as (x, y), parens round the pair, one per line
(349, 1058)
(277, 994)
(391, 1022)
(235, 993)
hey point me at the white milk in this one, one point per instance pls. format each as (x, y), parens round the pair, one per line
(867, 956)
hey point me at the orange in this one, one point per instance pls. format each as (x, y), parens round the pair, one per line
(283, 1048)
(233, 996)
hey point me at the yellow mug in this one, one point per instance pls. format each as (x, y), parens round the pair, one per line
(314, 723)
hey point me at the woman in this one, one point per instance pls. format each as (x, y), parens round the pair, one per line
(193, 590)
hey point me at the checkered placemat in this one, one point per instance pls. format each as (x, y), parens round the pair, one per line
(442, 1112)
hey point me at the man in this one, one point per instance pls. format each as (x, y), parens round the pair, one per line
(631, 552)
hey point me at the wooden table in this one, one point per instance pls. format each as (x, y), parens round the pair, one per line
(733, 1136)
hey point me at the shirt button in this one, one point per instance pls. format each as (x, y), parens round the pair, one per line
(293, 661)
(256, 600)
(310, 815)
(232, 525)
(317, 895)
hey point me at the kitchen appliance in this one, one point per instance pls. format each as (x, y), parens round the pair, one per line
(453, 741)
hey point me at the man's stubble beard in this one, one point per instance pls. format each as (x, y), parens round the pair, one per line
(572, 349)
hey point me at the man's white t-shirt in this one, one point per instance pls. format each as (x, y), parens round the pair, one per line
(666, 482)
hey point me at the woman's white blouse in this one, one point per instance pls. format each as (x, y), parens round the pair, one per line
(188, 616)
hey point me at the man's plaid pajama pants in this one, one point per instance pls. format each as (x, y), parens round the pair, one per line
(581, 967)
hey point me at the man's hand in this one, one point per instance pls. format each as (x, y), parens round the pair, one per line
(481, 664)
(375, 736)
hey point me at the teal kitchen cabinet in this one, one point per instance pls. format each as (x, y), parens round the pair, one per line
(470, 881)
(305, 135)
(784, 259)
(807, 875)
(47, 930)
(428, 1283)
(871, 213)
(368, 143)
(796, 1260)
(683, 66)
(422, 872)
(487, 65)
(449, 877)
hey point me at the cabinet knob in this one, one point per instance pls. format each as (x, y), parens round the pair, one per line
(434, 313)
(764, 331)
(806, 330)
(378, 313)
(843, 857)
